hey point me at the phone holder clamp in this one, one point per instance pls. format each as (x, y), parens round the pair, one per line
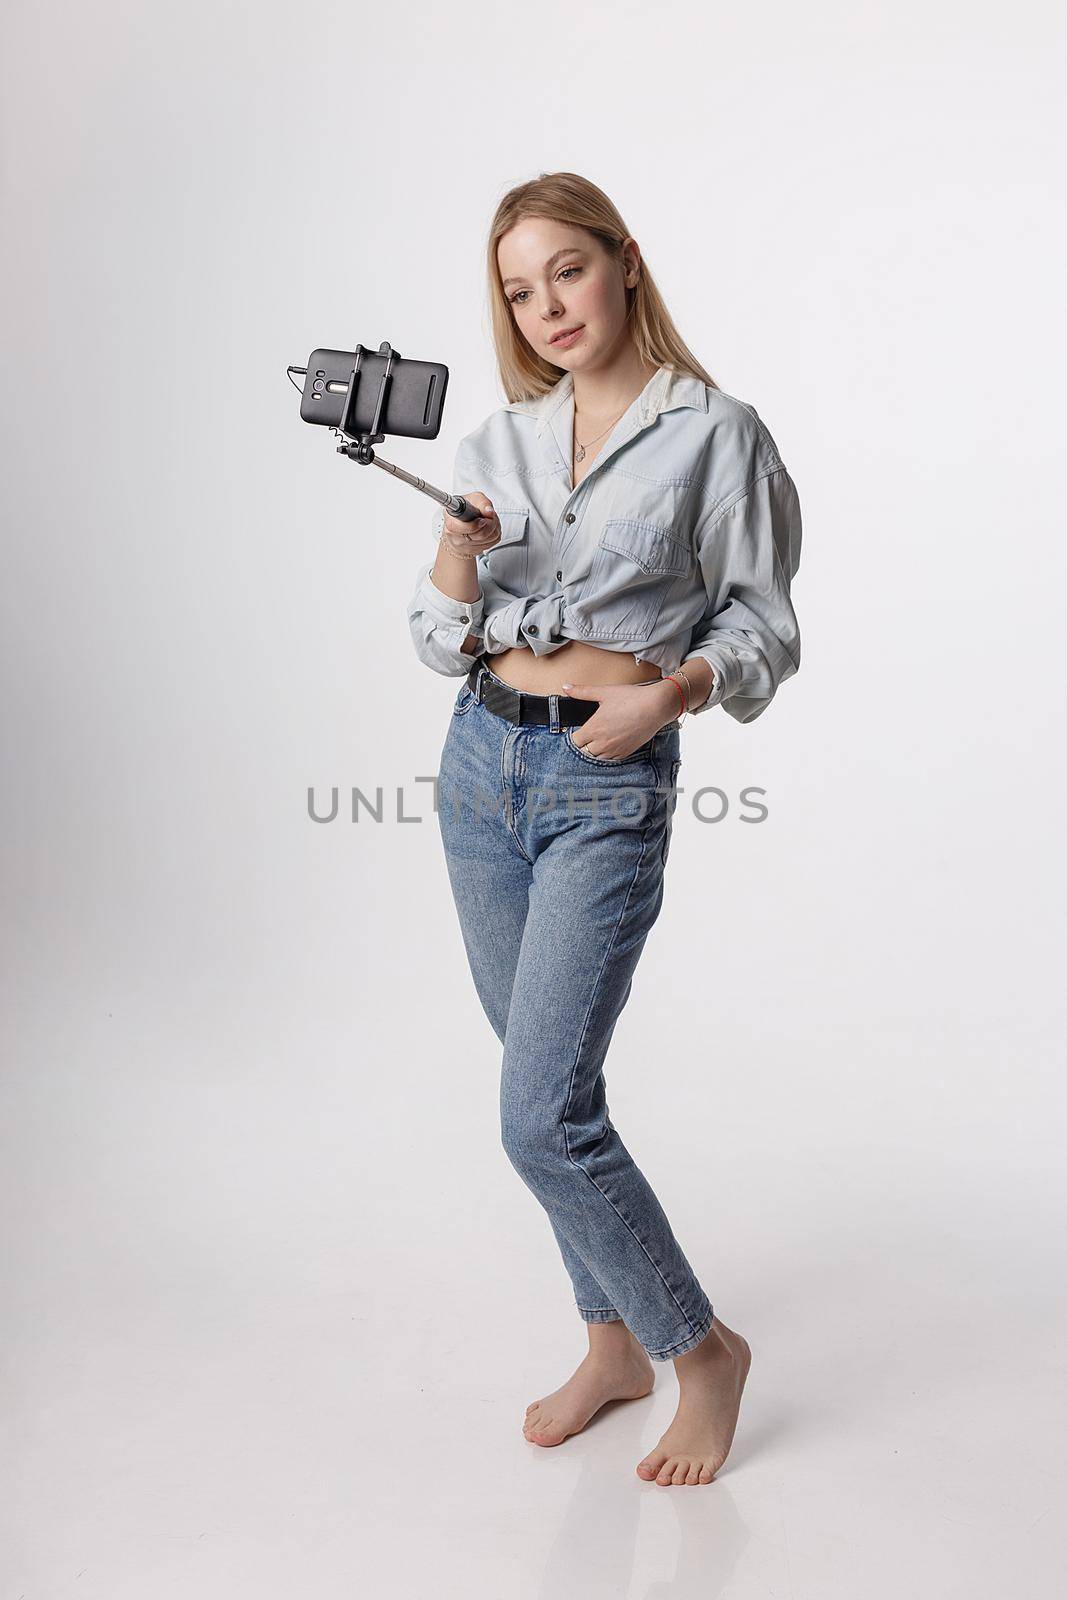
(360, 446)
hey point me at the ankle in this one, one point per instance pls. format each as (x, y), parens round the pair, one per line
(611, 1341)
(711, 1351)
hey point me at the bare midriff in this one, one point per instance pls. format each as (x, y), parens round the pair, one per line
(574, 662)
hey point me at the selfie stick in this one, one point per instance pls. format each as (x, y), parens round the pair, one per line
(361, 446)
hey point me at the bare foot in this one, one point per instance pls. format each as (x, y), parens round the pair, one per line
(711, 1377)
(616, 1368)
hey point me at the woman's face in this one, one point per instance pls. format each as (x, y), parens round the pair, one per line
(556, 278)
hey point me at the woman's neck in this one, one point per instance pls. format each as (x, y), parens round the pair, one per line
(609, 390)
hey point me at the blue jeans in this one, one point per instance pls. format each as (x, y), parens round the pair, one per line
(556, 862)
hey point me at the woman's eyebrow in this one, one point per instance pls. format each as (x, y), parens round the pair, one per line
(569, 251)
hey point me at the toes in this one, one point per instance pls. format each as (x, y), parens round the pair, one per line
(545, 1436)
(541, 1429)
(693, 1475)
(666, 1472)
(707, 1472)
(680, 1471)
(648, 1468)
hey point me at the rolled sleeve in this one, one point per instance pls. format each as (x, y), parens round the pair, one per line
(439, 625)
(749, 553)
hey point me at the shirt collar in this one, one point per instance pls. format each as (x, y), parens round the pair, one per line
(664, 391)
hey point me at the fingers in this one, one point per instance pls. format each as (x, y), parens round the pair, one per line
(481, 503)
(478, 526)
(477, 536)
(483, 532)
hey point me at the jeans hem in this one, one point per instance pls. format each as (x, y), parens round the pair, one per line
(599, 1314)
(679, 1349)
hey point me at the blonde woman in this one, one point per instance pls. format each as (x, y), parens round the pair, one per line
(632, 562)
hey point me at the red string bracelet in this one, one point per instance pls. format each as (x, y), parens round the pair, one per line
(672, 679)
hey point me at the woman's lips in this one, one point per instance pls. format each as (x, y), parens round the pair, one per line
(567, 338)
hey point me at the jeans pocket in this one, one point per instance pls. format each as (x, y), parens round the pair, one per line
(642, 753)
(464, 700)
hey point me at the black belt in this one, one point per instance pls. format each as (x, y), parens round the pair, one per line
(518, 706)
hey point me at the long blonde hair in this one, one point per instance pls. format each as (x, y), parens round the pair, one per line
(567, 197)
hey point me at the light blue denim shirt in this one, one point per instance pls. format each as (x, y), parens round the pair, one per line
(681, 540)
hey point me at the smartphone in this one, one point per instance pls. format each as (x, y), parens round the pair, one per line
(414, 404)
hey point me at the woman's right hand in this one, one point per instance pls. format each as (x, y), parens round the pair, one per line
(471, 538)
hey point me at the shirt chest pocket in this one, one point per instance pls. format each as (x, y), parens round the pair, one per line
(507, 563)
(634, 566)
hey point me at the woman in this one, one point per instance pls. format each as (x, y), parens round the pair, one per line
(632, 562)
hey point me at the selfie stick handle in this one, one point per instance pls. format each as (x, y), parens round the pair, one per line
(361, 447)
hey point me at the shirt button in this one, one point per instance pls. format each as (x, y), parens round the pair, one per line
(559, 574)
(569, 517)
(531, 628)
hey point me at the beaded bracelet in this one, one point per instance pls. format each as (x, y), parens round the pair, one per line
(458, 553)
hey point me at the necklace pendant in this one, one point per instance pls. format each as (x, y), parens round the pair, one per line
(579, 454)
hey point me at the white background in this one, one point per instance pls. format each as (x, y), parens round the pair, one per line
(275, 1299)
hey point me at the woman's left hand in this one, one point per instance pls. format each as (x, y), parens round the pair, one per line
(628, 715)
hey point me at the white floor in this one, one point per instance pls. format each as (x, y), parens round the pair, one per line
(260, 1344)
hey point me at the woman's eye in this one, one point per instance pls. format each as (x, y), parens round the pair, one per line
(516, 298)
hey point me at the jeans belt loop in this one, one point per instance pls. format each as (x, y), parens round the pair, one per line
(553, 713)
